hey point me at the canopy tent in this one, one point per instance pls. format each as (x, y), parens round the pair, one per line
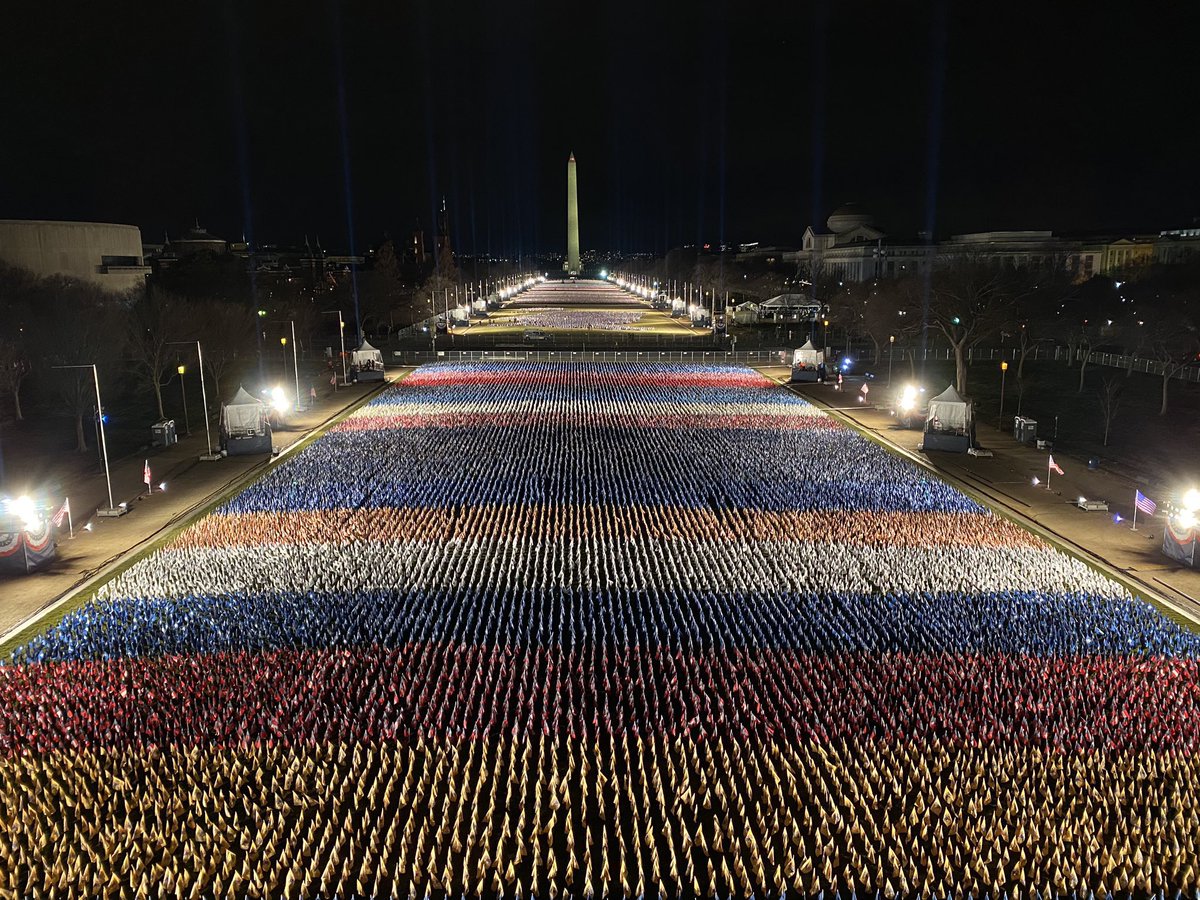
(949, 413)
(807, 356)
(367, 362)
(245, 414)
(366, 356)
(245, 425)
(790, 308)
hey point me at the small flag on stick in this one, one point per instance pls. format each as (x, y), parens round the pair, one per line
(146, 477)
(1052, 467)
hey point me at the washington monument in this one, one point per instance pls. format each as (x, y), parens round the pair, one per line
(572, 219)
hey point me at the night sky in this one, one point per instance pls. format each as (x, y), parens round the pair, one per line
(690, 122)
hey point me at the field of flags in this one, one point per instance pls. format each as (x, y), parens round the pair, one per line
(602, 630)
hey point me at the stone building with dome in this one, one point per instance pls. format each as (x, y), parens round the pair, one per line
(852, 247)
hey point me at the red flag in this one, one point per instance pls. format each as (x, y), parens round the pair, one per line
(146, 473)
(1055, 467)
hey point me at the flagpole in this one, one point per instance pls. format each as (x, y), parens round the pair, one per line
(70, 522)
(1048, 464)
(1135, 509)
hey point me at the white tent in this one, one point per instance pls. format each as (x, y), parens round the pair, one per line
(790, 308)
(367, 357)
(949, 412)
(244, 415)
(807, 356)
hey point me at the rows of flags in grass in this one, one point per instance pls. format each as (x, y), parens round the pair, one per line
(538, 630)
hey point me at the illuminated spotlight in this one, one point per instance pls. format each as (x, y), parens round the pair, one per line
(1036, 481)
(278, 399)
(24, 509)
(1118, 518)
(87, 527)
(1186, 519)
(1082, 500)
(1191, 500)
(162, 485)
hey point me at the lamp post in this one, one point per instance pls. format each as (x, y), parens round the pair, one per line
(342, 338)
(187, 422)
(112, 510)
(891, 353)
(296, 365)
(208, 455)
(1003, 373)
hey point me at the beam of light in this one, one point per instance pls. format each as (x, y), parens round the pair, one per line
(818, 77)
(933, 155)
(243, 155)
(344, 133)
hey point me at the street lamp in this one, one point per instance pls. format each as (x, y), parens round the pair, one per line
(283, 341)
(891, 353)
(208, 455)
(342, 338)
(1003, 373)
(187, 422)
(112, 511)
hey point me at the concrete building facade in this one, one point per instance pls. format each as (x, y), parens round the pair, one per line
(851, 247)
(99, 253)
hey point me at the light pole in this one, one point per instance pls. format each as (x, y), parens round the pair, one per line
(1003, 373)
(187, 422)
(283, 342)
(208, 455)
(112, 510)
(342, 337)
(891, 353)
(296, 365)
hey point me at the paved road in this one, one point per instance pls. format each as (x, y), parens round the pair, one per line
(1006, 480)
(191, 484)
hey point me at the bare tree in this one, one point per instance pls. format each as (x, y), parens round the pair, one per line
(155, 321)
(970, 298)
(14, 368)
(83, 327)
(225, 331)
(1109, 396)
(1174, 345)
(21, 293)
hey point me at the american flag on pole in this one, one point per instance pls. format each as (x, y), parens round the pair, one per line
(1144, 503)
(146, 473)
(1055, 467)
(63, 512)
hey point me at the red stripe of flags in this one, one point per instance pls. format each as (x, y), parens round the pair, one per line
(1055, 467)
(63, 510)
(1144, 503)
